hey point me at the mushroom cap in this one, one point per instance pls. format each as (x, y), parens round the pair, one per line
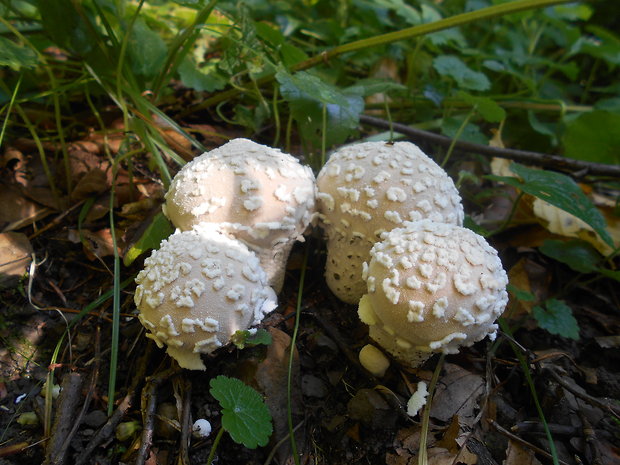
(432, 287)
(373, 187)
(197, 290)
(367, 189)
(258, 194)
(373, 360)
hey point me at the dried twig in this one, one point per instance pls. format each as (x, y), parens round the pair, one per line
(67, 405)
(576, 168)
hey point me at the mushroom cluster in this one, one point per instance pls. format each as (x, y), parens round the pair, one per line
(432, 287)
(258, 194)
(367, 189)
(238, 210)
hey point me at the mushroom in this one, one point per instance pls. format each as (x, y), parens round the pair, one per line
(373, 360)
(258, 194)
(370, 188)
(197, 290)
(432, 287)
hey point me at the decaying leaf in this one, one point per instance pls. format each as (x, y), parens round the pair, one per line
(517, 455)
(15, 257)
(457, 394)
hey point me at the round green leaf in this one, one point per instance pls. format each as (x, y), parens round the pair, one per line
(557, 318)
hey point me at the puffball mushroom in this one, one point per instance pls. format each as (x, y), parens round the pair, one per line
(370, 188)
(258, 194)
(197, 290)
(432, 287)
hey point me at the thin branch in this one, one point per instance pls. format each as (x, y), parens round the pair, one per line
(576, 168)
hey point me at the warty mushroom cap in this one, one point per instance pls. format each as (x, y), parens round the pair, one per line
(197, 290)
(258, 194)
(432, 287)
(370, 188)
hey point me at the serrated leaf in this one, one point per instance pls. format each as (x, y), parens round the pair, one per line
(487, 107)
(159, 229)
(16, 56)
(594, 137)
(244, 413)
(557, 318)
(560, 191)
(465, 77)
(578, 255)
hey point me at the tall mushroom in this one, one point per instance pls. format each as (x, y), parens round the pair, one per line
(432, 287)
(258, 194)
(197, 290)
(370, 188)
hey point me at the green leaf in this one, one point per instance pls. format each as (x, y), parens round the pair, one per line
(557, 318)
(159, 229)
(146, 50)
(560, 191)
(594, 137)
(487, 107)
(251, 338)
(367, 87)
(195, 78)
(244, 413)
(308, 95)
(292, 55)
(66, 27)
(465, 77)
(16, 56)
(577, 254)
(520, 294)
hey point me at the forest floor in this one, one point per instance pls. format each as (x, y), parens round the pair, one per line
(483, 410)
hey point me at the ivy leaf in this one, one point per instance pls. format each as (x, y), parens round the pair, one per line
(577, 254)
(557, 318)
(244, 413)
(16, 56)
(593, 137)
(159, 229)
(560, 191)
(465, 77)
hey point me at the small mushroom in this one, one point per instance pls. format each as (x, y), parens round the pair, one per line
(370, 188)
(197, 290)
(258, 194)
(432, 287)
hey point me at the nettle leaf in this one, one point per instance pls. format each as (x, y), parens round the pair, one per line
(146, 50)
(159, 229)
(487, 107)
(16, 56)
(577, 254)
(244, 413)
(560, 191)
(594, 136)
(465, 77)
(308, 95)
(557, 318)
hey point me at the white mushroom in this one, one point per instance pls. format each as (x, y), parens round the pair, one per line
(432, 287)
(197, 290)
(258, 194)
(370, 188)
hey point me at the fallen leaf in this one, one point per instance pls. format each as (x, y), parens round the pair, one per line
(15, 257)
(517, 455)
(457, 393)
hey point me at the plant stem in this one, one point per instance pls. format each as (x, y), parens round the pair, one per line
(422, 455)
(289, 379)
(216, 441)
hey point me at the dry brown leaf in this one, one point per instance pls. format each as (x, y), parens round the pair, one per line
(517, 455)
(97, 244)
(16, 211)
(457, 394)
(15, 257)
